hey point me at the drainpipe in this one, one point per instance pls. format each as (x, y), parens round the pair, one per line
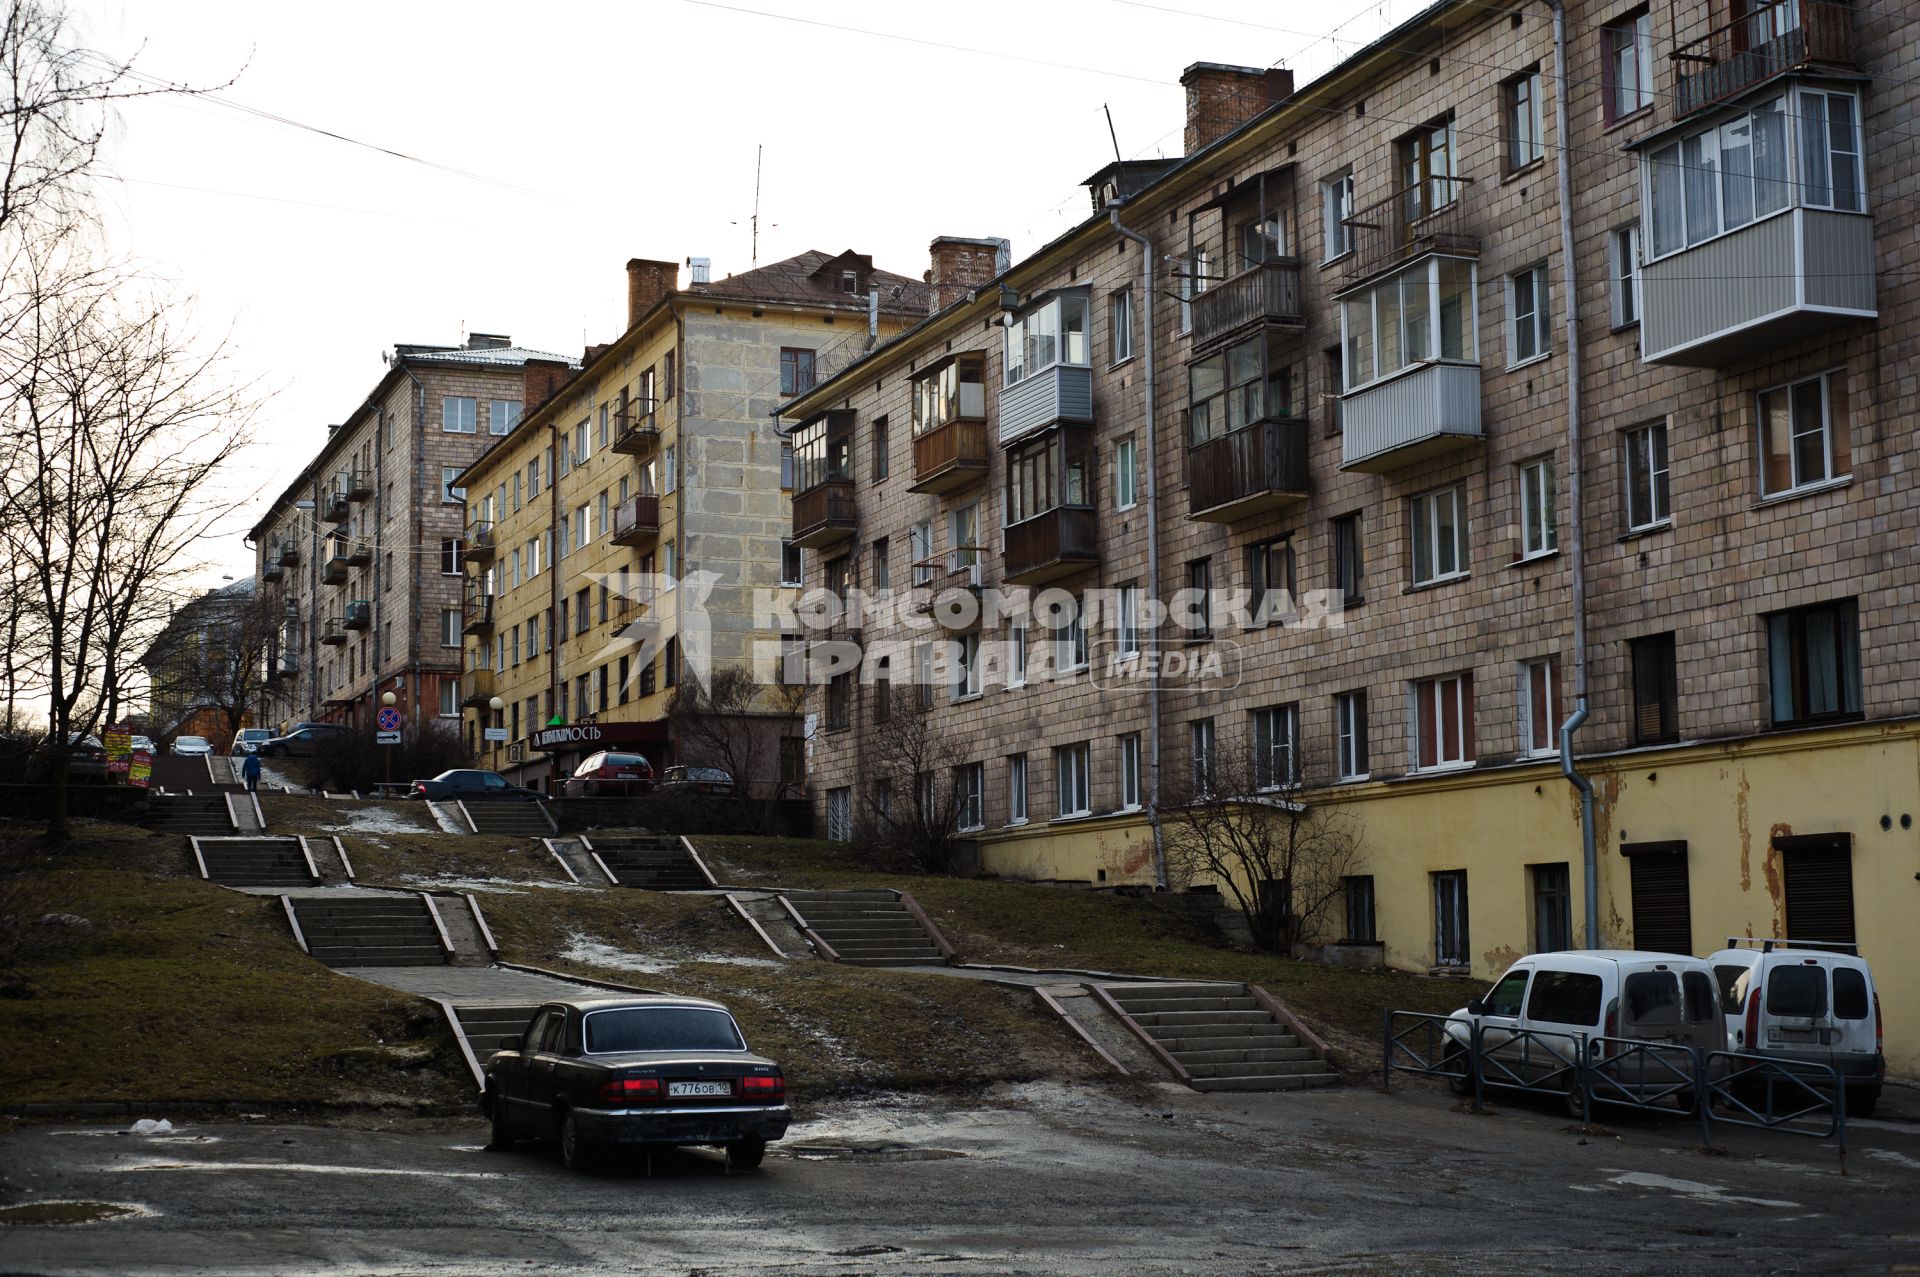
(414, 521)
(1150, 491)
(1576, 537)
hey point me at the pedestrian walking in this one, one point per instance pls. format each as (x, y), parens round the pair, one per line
(251, 770)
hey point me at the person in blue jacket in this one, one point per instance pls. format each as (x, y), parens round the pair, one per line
(251, 770)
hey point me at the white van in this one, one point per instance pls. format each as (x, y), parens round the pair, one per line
(1614, 993)
(1806, 1001)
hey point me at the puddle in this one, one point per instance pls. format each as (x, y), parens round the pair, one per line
(305, 1168)
(1694, 1190)
(877, 1152)
(55, 1213)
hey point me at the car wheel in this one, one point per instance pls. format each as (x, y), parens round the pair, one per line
(1575, 1102)
(745, 1155)
(1862, 1100)
(500, 1134)
(576, 1151)
(1453, 1063)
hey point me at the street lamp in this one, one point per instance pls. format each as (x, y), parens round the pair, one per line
(387, 699)
(498, 707)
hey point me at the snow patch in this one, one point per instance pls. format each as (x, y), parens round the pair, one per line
(375, 820)
(449, 818)
(585, 949)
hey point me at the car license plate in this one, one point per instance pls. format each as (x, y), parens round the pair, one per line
(699, 1088)
(1795, 1035)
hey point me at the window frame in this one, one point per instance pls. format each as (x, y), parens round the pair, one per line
(1127, 747)
(1661, 680)
(1623, 257)
(1070, 767)
(1836, 444)
(1539, 522)
(1659, 490)
(970, 797)
(1126, 473)
(1521, 120)
(1351, 759)
(1405, 324)
(1534, 326)
(1637, 27)
(1275, 734)
(1336, 210)
(797, 366)
(1423, 518)
(459, 421)
(1538, 674)
(1789, 659)
(1017, 789)
(1429, 702)
(1120, 326)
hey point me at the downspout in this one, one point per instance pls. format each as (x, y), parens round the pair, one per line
(1576, 536)
(378, 537)
(1150, 491)
(557, 687)
(414, 521)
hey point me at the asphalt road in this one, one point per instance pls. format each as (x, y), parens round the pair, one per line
(1040, 1179)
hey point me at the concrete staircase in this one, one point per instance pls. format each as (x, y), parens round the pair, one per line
(483, 1028)
(868, 928)
(202, 814)
(254, 862)
(1219, 1037)
(512, 820)
(656, 862)
(368, 930)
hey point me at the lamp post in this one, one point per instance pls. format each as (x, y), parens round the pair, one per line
(387, 699)
(496, 706)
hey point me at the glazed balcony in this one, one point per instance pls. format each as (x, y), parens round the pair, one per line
(1774, 38)
(1421, 412)
(357, 484)
(1267, 294)
(332, 632)
(636, 520)
(1052, 544)
(824, 514)
(360, 553)
(476, 611)
(950, 457)
(333, 570)
(359, 615)
(476, 545)
(1256, 468)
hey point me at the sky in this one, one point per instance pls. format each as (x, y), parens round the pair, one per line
(542, 146)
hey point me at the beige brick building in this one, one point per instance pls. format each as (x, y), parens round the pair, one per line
(363, 548)
(1330, 352)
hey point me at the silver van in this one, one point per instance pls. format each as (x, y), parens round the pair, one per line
(1806, 1001)
(1622, 994)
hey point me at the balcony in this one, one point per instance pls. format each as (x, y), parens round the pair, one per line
(950, 457)
(1421, 412)
(947, 579)
(477, 546)
(357, 484)
(636, 429)
(476, 686)
(289, 554)
(359, 614)
(1268, 294)
(1053, 544)
(824, 514)
(332, 632)
(270, 570)
(360, 554)
(1775, 37)
(636, 520)
(335, 508)
(1257, 468)
(476, 611)
(1063, 392)
(334, 569)
(1428, 217)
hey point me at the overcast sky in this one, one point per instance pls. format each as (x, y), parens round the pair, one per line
(552, 142)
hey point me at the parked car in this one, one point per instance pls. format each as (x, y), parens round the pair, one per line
(191, 747)
(248, 739)
(86, 760)
(1614, 993)
(468, 785)
(610, 772)
(594, 1073)
(302, 740)
(1802, 1001)
(695, 780)
(140, 744)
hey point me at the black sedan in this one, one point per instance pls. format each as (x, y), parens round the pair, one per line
(303, 740)
(596, 1073)
(467, 784)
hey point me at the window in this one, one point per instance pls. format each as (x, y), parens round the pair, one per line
(1450, 922)
(1628, 69)
(450, 627)
(670, 663)
(1336, 206)
(1813, 661)
(1206, 762)
(1193, 281)
(1537, 707)
(1736, 172)
(533, 475)
(1233, 389)
(1439, 535)
(840, 814)
(1427, 169)
(1125, 474)
(1349, 562)
(790, 564)
(1350, 735)
(1623, 255)
(840, 701)
(1070, 642)
(451, 492)
(965, 552)
(796, 371)
(969, 793)
(1070, 767)
(1442, 722)
(1130, 771)
(1646, 471)
(786, 465)
(1048, 335)
(882, 462)
(450, 557)
(457, 415)
(1017, 640)
(449, 698)
(583, 610)
(1830, 170)
(502, 416)
(1126, 621)
(1273, 746)
(920, 551)
(1654, 711)
(1538, 534)
(877, 565)
(793, 761)
(1804, 437)
(1527, 316)
(1524, 144)
(1425, 312)
(967, 667)
(1552, 908)
(669, 469)
(602, 525)
(1120, 326)
(1270, 578)
(1199, 607)
(1017, 789)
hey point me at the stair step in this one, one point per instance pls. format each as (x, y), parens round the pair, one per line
(870, 961)
(1295, 1082)
(1155, 1018)
(1153, 1006)
(1255, 1068)
(1250, 1055)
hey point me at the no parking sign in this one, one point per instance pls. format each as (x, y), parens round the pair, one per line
(389, 719)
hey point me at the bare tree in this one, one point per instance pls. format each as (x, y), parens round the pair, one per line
(213, 654)
(915, 803)
(735, 723)
(1249, 823)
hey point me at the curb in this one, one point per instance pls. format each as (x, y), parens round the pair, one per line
(228, 1108)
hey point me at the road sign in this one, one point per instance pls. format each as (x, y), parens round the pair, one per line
(496, 733)
(389, 738)
(389, 721)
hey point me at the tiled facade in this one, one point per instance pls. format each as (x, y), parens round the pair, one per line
(1761, 770)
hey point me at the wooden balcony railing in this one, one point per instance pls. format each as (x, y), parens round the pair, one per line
(1054, 543)
(1427, 217)
(1255, 468)
(824, 513)
(950, 457)
(1269, 293)
(1772, 38)
(636, 520)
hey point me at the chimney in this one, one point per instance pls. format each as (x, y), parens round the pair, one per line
(488, 341)
(1221, 98)
(961, 264)
(539, 378)
(647, 283)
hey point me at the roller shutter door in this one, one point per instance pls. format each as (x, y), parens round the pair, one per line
(1819, 884)
(1662, 906)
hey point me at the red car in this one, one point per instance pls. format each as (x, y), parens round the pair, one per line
(609, 774)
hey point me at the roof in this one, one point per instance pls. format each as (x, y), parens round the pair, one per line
(812, 278)
(609, 1001)
(502, 356)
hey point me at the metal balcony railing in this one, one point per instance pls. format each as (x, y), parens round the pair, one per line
(333, 569)
(476, 611)
(359, 614)
(477, 545)
(1428, 217)
(335, 508)
(332, 632)
(636, 520)
(1772, 38)
(636, 428)
(360, 553)
(357, 484)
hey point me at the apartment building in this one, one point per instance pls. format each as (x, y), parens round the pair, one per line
(362, 549)
(629, 523)
(1328, 358)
